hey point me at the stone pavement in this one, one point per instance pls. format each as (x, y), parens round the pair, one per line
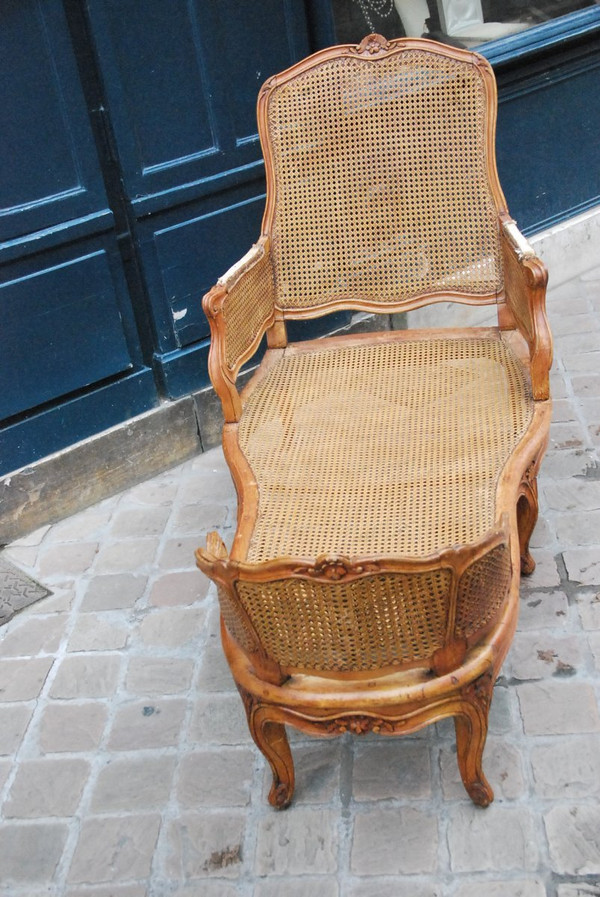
(126, 768)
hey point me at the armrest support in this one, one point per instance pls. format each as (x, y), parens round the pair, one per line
(525, 279)
(240, 308)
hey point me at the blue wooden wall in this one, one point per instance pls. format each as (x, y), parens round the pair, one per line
(131, 177)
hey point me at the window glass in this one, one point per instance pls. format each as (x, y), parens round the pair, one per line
(463, 23)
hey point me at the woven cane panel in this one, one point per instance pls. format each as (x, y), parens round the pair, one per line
(390, 448)
(368, 623)
(381, 182)
(482, 590)
(248, 306)
(235, 622)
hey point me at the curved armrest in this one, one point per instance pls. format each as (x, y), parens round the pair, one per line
(525, 279)
(240, 308)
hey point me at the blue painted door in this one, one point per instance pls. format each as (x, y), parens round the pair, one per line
(131, 178)
(70, 358)
(181, 82)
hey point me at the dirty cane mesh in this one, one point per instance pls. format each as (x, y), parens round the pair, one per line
(382, 448)
(381, 181)
(482, 590)
(247, 308)
(368, 623)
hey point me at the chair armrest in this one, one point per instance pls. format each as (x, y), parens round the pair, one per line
(525, 279)
(240, 308)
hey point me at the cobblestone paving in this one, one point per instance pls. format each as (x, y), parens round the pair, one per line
(126, 768)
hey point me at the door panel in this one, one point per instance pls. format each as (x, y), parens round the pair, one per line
(49, 172)
(181, 82)
(61, 331)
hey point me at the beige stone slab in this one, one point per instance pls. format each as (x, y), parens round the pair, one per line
(30, 852)
(22, 679)
(594, 643)
(27, 637)
(133, 523)
(99, 632)
(298, 887)
(532, 887)
(568, 463)
(159, 675)
(579, 529)
(206, 845)
(127, 556)
(539, 655)
(133, 783)
(588, 605)
(567, 768)
(573, 832)
(5, 770)
(545, 574)
(503, 839)
(292, 844)
(85, 526)
(109, 891)
(219, 719)
(47, 787)
(574, 494)
(184, 587)
(14, 719)
(114, 848)
(142, 725)
(395, 887)
(558, 708)
(72, 726)
(217, 778)
(397, 768)
(87, 676)
(402, 841)
(543, 610)
(583, 565)
(318, 768)
(66, 560)
(503, 767)
(178, 553)
(214, 670)
(113, 591)
(199, 518)
(172, 627)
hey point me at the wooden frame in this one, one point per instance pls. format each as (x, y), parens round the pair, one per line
(448, 669)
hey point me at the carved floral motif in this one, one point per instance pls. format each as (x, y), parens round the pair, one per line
(359, 725)
(373, 44)
(335, 568)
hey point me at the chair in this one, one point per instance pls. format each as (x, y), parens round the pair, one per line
(386, 481)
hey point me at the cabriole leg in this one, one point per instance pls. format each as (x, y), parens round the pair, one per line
(471, 726)
(527, 515)
(271, 739)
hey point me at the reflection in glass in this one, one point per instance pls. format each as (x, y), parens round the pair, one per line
(464, 23)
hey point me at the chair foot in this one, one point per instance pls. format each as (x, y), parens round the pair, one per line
(271, 739)
(471, 726)
(527, 515)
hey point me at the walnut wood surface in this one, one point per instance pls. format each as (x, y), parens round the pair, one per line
(420, 636)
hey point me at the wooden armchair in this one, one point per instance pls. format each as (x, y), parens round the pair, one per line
(386, 481)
